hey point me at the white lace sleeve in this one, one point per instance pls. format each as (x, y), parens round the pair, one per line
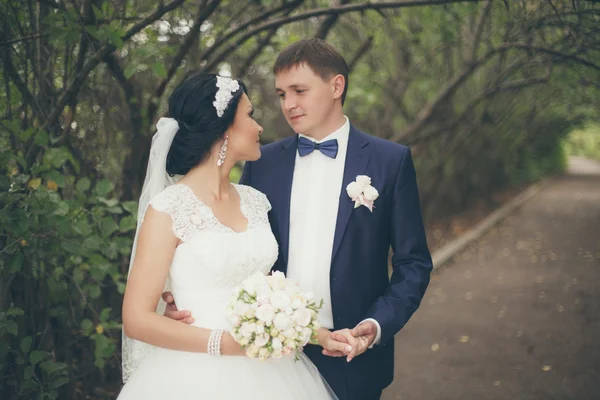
(176, 202)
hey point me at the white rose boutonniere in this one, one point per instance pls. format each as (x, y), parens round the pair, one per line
(362, 193)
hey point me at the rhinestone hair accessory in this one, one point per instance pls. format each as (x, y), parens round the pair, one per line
(227, 87)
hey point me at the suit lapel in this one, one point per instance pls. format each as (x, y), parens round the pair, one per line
(357, 159)
(285, 175)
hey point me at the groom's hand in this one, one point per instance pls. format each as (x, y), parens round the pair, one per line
(359, 338)
(172, 312)
(331, 346)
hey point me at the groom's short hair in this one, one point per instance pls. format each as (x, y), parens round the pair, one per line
(322, 58)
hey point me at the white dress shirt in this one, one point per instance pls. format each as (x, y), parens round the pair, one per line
(316, 188)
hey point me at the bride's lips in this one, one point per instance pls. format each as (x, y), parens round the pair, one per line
(296, 118)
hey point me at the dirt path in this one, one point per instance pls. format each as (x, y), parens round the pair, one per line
(517, 315)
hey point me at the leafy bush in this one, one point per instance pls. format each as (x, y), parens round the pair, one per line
(64, 246)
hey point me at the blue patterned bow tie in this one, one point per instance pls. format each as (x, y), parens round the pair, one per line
(329, 148)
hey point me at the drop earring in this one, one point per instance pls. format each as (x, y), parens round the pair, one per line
(223, 152)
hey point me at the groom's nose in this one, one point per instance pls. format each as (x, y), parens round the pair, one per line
(289, 103)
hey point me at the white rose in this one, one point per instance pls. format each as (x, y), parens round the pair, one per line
(282, 322)
(263, 354)
(281, 337)
(277, 354)
(244, 341)
(281, 300)
(363, 180)
(249, 286)
(264, 290)
(235, 320)
(250, 313)
(240, 308)
(298, 302)
(292, 288)
(304, 336)
(265, 313)
(247, 329)
(291, 343)
(277, 280)
(261, 340)
(354, 190)
(252, 351)
(277, 344)
(302, 316)
(290, 333)
(274, 332)
(289, 311)
(260, 330)
(371, 193)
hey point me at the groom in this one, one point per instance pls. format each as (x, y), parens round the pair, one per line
(333, 240)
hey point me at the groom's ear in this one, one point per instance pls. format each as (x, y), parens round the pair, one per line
(338, 83)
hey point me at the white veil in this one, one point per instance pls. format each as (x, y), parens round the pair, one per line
(157, 179)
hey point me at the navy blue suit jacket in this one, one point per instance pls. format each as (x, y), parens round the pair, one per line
(360, 284)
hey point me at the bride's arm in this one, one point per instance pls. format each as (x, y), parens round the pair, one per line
(154, 253)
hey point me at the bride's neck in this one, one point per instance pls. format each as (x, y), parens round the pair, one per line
(209, 179)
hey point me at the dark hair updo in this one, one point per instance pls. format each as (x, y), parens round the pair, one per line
(191, 105)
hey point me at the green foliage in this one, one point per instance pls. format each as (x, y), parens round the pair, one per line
(584, 142)
(63, 243)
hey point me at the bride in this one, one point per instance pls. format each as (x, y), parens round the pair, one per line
(201, 236)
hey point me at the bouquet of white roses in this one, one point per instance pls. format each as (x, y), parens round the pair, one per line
(272, 317)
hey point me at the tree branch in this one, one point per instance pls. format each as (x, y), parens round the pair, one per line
(241, 28)
(11, 71)
(449, 89)
(364, 48)
(97, 58)
(276, 23)
(330, 21)
(264, 42)
(479, 28)
(484, 95)
(201, 16)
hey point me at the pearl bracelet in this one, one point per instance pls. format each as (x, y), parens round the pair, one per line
(214, 342)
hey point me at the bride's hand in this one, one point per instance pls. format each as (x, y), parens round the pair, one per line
(229, 347)
(331, 346)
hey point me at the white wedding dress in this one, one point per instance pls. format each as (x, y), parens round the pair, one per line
(210, 261)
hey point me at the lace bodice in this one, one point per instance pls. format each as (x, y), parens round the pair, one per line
(211, 257)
